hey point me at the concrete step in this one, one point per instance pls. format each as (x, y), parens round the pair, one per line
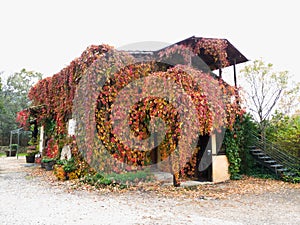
(276, 165)
(290, 174)
(282, 170)
(270, 161)
(256, 150)
(264, 157)
(258, 153)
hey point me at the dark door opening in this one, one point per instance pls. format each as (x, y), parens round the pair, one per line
(203, 170)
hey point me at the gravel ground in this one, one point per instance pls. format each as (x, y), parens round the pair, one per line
(32, 200)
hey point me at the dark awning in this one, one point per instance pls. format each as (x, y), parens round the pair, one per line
(234, 56)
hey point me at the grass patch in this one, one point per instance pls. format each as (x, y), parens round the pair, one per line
(2, 154)
(28, 177)
(113, 179)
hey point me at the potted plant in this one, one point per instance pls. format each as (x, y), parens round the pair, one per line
(30, 156)
(50, 154)
(31, 152)
(48, 163)
(12, 151)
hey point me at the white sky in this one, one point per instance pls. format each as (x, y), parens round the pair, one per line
(45, 36)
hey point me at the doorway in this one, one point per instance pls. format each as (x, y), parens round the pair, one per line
(203, 170)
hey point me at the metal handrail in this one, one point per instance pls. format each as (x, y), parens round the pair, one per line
(276, 153)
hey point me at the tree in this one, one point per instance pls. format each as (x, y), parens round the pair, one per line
(284, 132)
(267, 91)
(289, 104)
(18, 85)
(13, 97)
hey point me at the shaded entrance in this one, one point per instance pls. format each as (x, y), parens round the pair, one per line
(203, 170)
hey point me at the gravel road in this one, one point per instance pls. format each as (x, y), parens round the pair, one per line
(30, 200)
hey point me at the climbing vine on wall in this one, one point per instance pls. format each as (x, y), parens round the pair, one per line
(55, 94)
(87, 80)
(232, 141)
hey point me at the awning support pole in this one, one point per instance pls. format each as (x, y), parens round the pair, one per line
(10, 143)
(234, 73)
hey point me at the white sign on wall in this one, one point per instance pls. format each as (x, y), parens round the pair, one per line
(71, 126)
(41, 141)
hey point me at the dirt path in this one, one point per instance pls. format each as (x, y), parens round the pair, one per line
(37, 200)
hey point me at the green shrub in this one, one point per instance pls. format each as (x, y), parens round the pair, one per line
(46, 160)
(294, 178)
(69, 165)
(14, 146)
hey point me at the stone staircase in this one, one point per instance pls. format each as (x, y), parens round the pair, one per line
(268, 162)
(276, 160)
